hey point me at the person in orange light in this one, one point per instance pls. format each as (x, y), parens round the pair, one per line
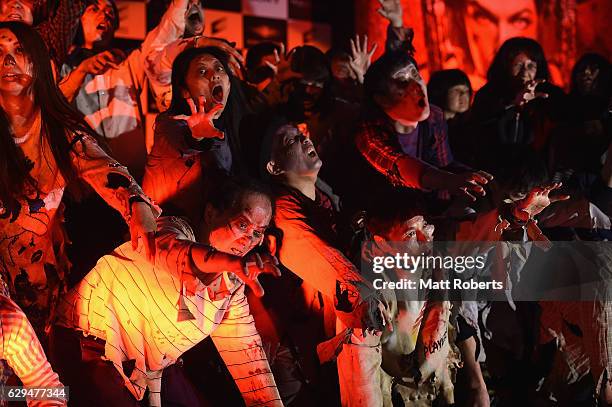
(198, 135)
(44, 146)
(129, 320)
(307, 214)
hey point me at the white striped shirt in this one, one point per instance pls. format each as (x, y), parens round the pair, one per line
(132, 305)
(24, 354)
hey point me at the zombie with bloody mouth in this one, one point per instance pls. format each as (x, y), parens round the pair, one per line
(402, 139)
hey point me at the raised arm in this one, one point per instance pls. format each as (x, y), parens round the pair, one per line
(59, 30)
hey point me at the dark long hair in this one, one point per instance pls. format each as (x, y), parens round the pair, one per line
(59, 120)
(499, 73)
(235, 107)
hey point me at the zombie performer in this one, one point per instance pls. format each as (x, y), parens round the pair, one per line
(45, 146)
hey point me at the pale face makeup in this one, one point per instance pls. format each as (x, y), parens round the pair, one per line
(16, 71)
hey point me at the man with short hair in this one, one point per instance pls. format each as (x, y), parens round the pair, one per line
(306, 212)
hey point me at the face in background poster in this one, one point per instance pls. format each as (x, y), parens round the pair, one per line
(466, 34)
(258, 29)
(307, 33)
(222, 24)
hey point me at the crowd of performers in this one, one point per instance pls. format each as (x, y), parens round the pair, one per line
(219, 263)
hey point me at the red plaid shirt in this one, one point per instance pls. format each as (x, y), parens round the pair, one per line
(378, 142)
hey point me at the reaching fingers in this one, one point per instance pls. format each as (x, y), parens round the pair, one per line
(192, 105)
(467, 194)
(479, 178)
(213, 110)
(372, 51)
(364, 45)
(272, 66)
(201, 103)
(258, 261)
(540, 95)
(353, 48)
(256, 286)
(181, 117)
(283, 51)
(485, 174)
(382, 12)
(559, 198)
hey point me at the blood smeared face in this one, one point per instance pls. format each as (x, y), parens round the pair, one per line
(17, 10)
(238, 232)
(407, 96)
(16, 72)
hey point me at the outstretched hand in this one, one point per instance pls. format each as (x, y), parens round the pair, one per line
(200, 121)
(536, 201)
(392, 11)
(528, 93)
(361, 57)
(254, 265)
(282, 66)
(469, 184)
(101, 62)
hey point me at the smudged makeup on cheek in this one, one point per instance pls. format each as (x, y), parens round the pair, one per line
(12, 51)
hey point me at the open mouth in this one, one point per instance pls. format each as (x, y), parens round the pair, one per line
(102, 26)
(194, 18)
(311, 152)
(15, 17)
(217, 93)
(422, 103)
(10, 76)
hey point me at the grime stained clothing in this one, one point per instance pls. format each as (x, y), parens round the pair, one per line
(32, 241)
(152, 314)
(309, 250)
(178, 163)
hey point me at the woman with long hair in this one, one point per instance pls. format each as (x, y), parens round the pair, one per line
(198, 135)
(44, 146)
(518, 104)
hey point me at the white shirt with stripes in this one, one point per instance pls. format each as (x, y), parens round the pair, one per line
(133, 306)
